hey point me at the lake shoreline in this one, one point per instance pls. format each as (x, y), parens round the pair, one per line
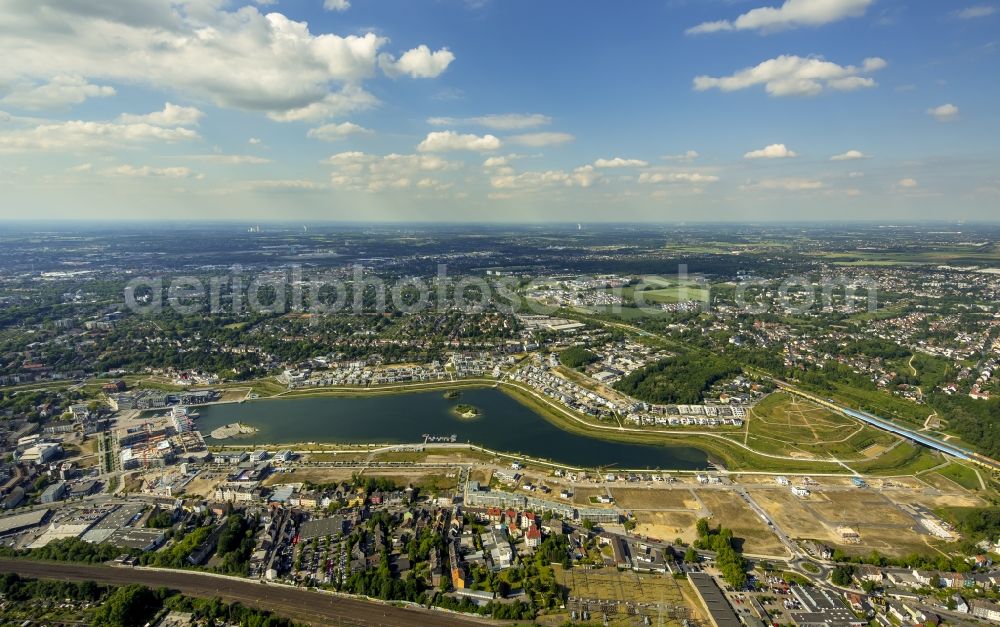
(513, 426)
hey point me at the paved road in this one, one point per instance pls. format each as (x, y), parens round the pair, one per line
(295, 603)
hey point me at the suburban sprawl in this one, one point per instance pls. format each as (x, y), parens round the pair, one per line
(608, 425)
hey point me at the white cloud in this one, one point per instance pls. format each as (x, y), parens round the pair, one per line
(147, 171)
(791, 75)
(434, 184)
(79, 135)
(229, 159)
(362, 171)
(83, 167)
(710, 27)
(237, 58)
(61, 91)
(418, 62)
(944, 113)
(336, 5)
(253, 141)
(689, 155)
(334, 132)
(791, 14)
(976, 11)
(584, 176)
(907, 183)
(850, 155)
(790, 184)
(348, 100)
(499, 121)
(495, 162)
(441, 141)
(696, 178)
(537, 140)
(771, 151)
(619, 162)
(171, 115)
(281, 185)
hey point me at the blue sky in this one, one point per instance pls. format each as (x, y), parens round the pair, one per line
(502, 110)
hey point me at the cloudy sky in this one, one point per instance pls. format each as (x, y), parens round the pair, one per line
(503, 110)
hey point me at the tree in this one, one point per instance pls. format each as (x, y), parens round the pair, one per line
(576, 356)
(702, 527)
(842, 575)
(691, 555)
(128, 606)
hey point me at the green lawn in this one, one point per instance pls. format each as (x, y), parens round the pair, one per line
(962, 475)
(787, 425)
(904, 459)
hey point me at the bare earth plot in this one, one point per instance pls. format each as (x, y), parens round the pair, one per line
(662, 513)
(935, 501)
(655, 498)
(667, 525)
(581, 496)
(731, 511)
(880, 522)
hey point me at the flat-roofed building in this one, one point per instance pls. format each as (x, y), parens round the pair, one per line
(321, 527)
(20, 522)
(55, 492)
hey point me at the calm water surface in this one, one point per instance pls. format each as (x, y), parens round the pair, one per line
(505, 425)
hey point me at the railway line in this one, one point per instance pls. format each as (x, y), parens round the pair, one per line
(315, 608)
(885, 425)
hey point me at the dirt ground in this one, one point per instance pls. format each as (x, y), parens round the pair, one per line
(731, 511)
(201, 487)
(655, 498)
(667, 525)
(233, 395)
(857, 507)
(882, 525)
(934, 501)
(581, 496)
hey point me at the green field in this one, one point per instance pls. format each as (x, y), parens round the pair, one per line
(877, 402)
(954, 254)
(673, 294)
(902, 459)
(787, 425)
(962, 475)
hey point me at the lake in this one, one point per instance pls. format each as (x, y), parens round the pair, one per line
(505, 425)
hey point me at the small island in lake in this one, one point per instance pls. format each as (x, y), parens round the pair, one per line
(466, 411)
(452, 394)
(232, 430)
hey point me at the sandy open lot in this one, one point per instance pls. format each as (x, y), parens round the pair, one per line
(655, 498)
(667, 526)
(882, 525)
(729, 510)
